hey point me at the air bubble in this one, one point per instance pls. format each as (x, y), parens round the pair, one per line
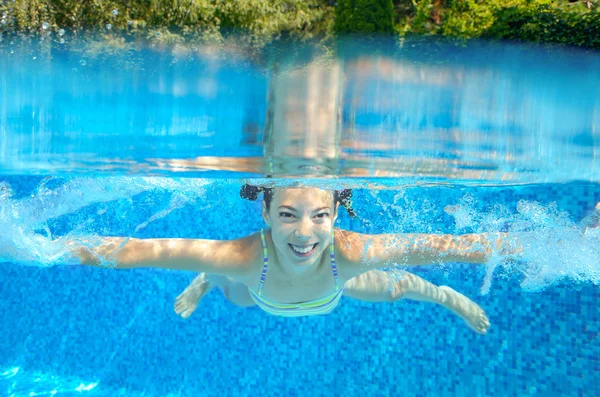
(129, 23)
(5, 193)
(157, 34)
(83, 62)
(45, 25)
(3, 22)
(62, 41)
(61, 32)
(115, 12)
(108, 26)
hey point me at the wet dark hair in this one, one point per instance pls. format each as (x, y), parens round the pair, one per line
(251, 192)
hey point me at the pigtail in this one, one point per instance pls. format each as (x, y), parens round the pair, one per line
(344, 197)
(250, 192)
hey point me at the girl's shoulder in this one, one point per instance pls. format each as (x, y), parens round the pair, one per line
(247, 251)
(349, 243)
(349, 249)
(252, 246)
(354, 251)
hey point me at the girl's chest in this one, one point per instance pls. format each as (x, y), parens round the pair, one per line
(282, 288)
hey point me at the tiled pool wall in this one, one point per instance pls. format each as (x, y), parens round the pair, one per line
(118, 327)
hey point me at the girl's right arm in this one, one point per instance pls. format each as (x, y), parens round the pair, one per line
(225, 257)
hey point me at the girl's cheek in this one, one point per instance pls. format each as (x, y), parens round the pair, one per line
(325, 227)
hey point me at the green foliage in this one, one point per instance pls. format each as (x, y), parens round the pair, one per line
(364, 17)
(467, 18)
(121, 23)
(162, 20)
(543, 21)
(422, 22)
(546, 24)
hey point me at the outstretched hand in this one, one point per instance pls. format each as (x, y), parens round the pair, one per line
(34, 249)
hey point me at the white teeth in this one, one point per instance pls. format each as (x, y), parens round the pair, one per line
(302, 250)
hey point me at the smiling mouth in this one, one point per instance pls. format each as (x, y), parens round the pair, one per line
(303, 251)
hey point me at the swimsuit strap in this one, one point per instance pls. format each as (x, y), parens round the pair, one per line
(266, 261)
(332, 256)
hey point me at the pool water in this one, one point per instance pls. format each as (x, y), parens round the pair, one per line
(505, 135)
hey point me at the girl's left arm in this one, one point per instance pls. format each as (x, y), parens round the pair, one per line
(360, 253)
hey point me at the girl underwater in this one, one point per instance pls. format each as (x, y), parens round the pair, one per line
(301, 265)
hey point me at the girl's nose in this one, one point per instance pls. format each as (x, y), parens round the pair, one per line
(302, 232)
(301, 236)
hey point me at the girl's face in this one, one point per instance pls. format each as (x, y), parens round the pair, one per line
(301, 221)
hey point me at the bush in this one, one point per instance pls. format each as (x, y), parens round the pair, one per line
(528, 20)
(260, 20)
(364, 17)
(546, 24)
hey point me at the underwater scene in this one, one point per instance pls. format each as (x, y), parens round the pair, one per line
(379, 220)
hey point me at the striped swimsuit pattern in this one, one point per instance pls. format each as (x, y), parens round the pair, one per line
(311, 308)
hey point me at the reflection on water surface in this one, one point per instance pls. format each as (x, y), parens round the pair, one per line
(484, 113)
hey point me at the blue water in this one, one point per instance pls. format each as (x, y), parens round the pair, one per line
(511, 146)
(426, 112)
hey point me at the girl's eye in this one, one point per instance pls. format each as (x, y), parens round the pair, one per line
(285, 215)
(322, 215)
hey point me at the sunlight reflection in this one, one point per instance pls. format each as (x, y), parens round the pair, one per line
(17, 382)
(10, 373)
(29, 383)
(84, 387)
